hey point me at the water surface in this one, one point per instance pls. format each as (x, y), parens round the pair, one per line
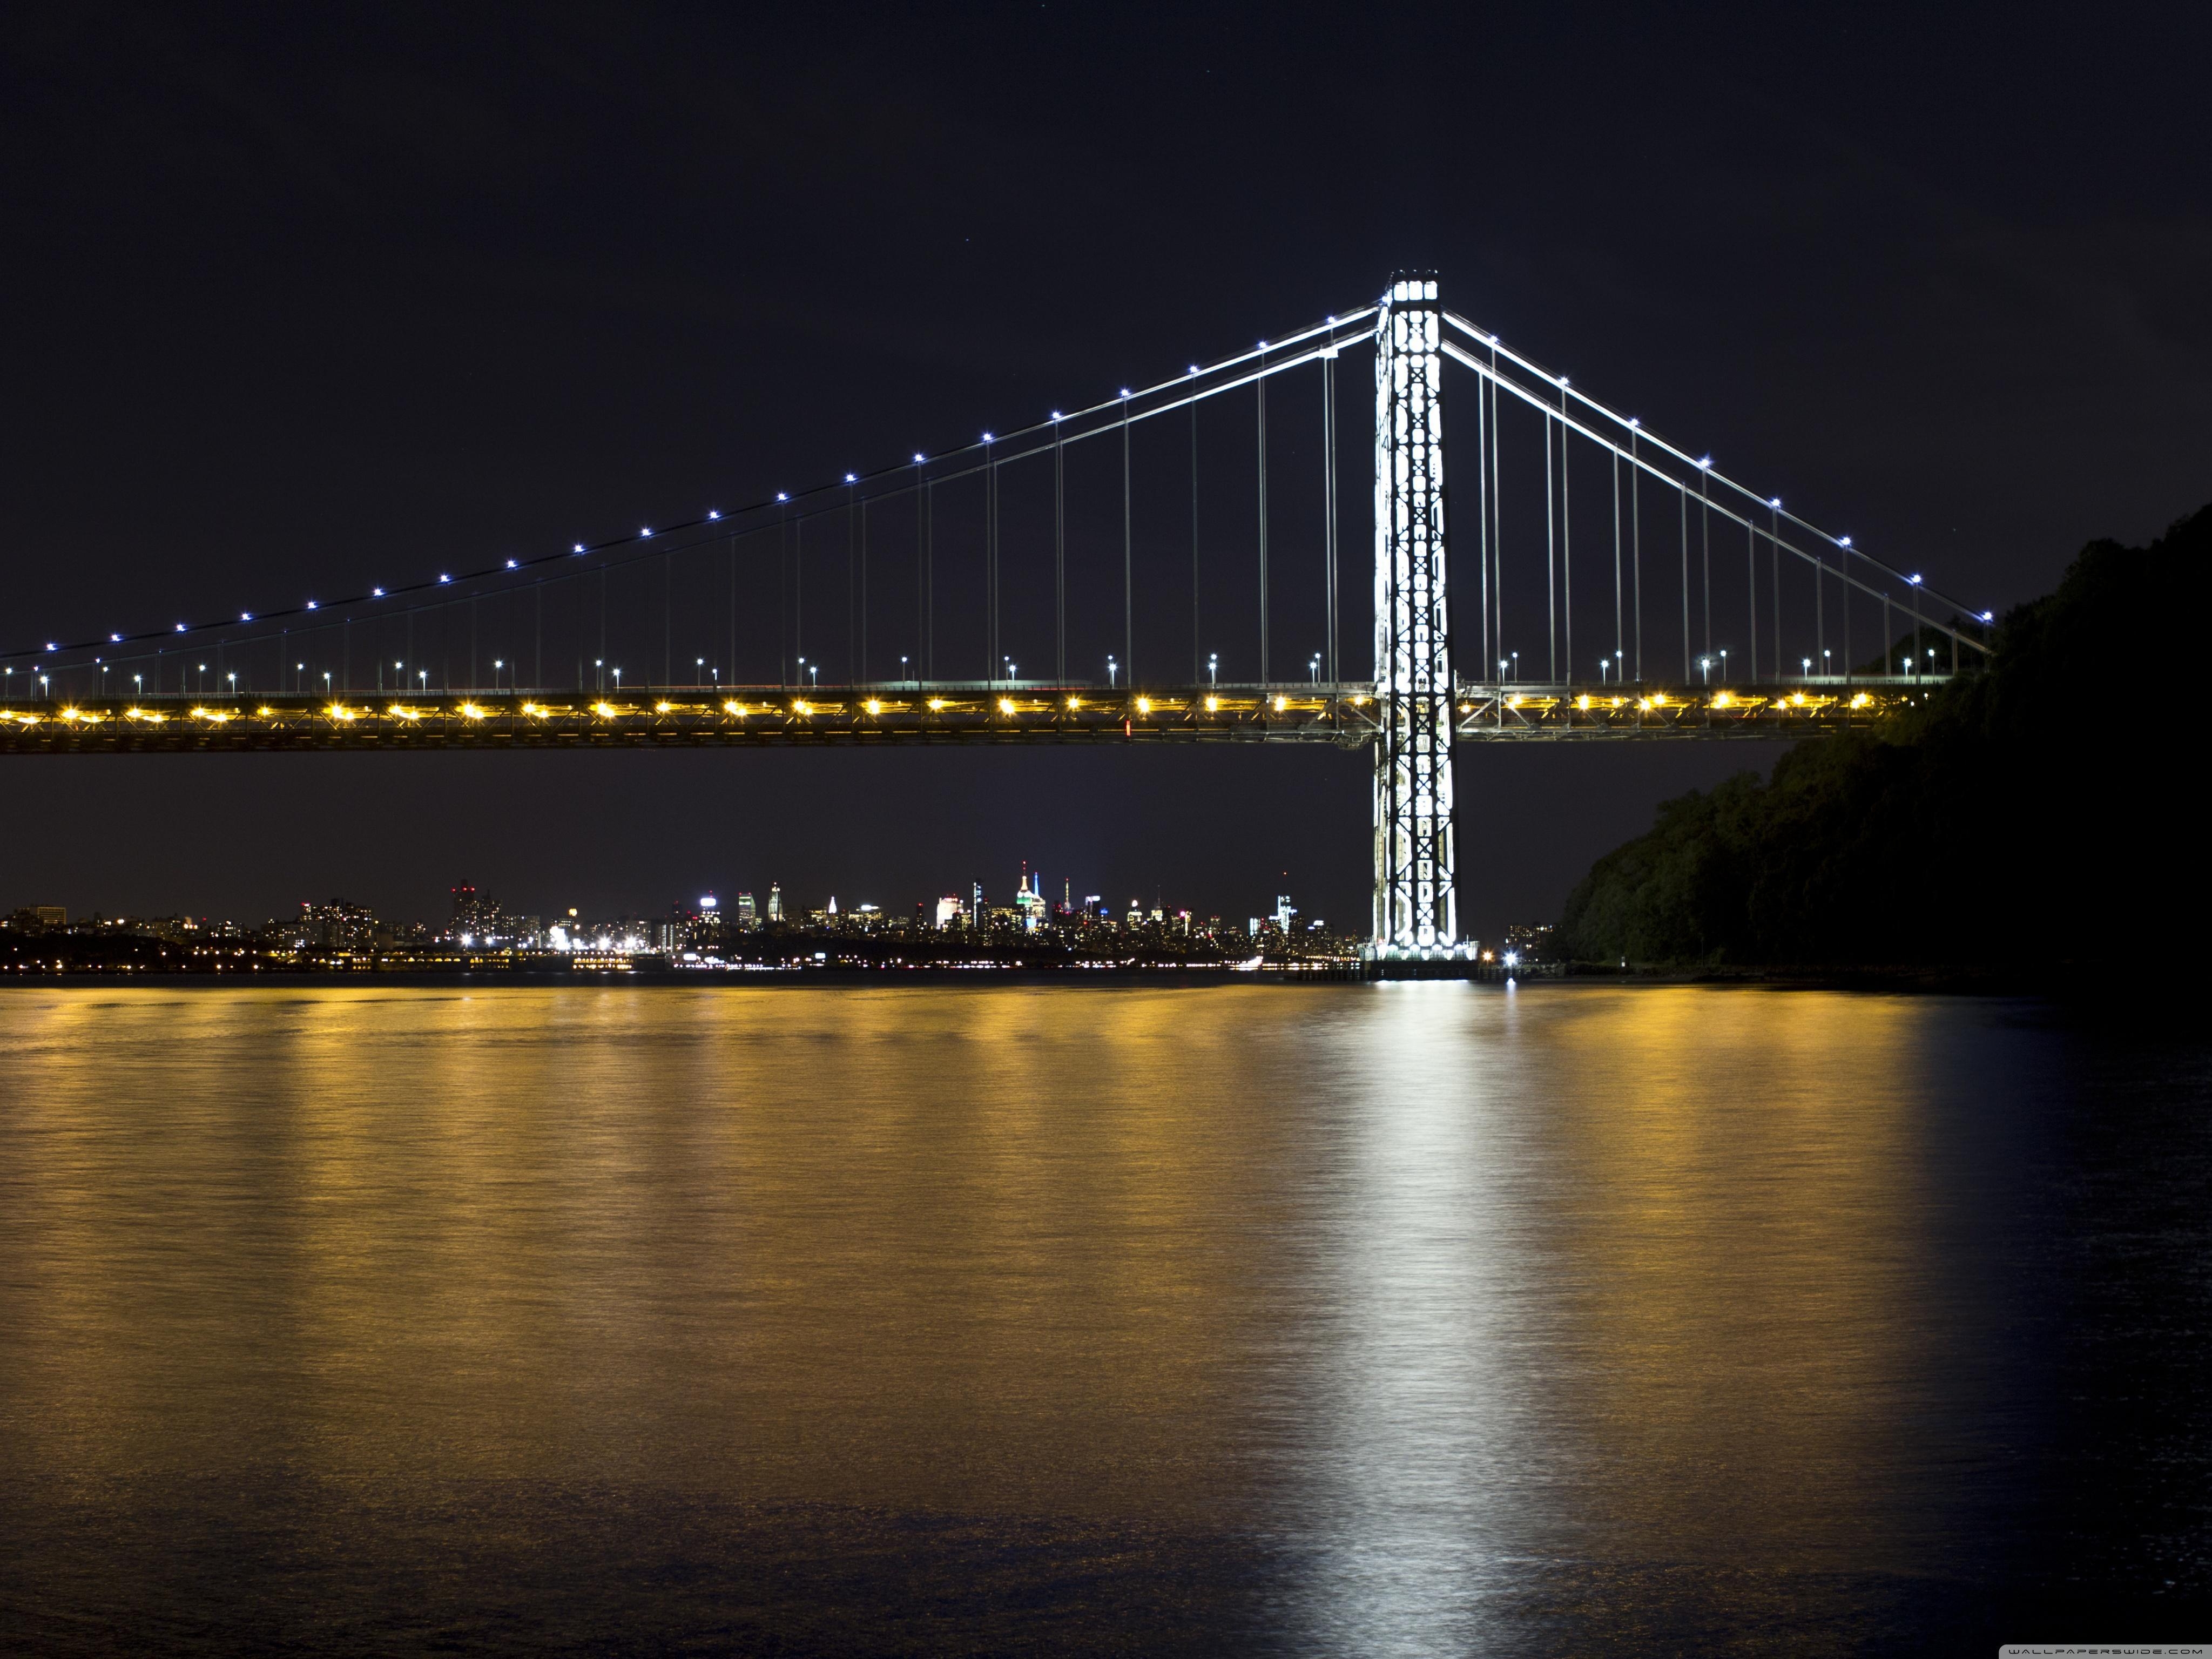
(1420, 1319)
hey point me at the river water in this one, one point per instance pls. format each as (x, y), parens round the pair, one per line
(1400, 1319)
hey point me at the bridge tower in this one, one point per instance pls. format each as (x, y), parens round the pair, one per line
(1416, 901)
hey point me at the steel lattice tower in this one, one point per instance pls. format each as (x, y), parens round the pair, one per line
(1416, 903)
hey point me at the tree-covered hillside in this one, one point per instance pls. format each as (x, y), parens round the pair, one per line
(2045, 812)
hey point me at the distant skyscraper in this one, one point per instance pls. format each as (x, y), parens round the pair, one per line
(746, 913)
(775, 901)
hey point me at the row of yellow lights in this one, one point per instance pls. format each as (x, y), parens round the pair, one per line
(1660, 700)
(1006, 706)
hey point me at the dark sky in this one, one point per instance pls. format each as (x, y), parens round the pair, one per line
(295, 297)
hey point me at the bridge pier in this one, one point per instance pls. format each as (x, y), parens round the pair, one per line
(1416, 897)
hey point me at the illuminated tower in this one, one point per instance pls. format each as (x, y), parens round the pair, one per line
(1416, 907)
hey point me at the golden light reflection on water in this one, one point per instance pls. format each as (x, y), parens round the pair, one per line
(1443, 1276)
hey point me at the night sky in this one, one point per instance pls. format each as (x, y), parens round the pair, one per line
(302, 298)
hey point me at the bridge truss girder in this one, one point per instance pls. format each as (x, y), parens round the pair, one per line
(1346, 715)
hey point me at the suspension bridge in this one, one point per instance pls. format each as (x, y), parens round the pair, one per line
(1157, 566)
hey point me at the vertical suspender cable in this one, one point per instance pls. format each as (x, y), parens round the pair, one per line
(1705, 553)
(1128, 555)
(783, 599)
(667, 611)
(472, 640)
(1497, 519)
(1612, 463)
(1482, 509)
(993, 660)
(1774, 545)
(1567, 542)
(798, 600)
(1683, 491)
(1195, 633)
(731, 661)
(1061, 558)
(1919, 644)
(929, 574)
(864, 592)
(1260, 387)
(1636, 546)
(1821, 611)
(1751, 590)
(852, 583)
(1550, 556)
(1329, 481)
(921, 576)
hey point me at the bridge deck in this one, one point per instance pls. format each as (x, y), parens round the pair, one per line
(905, 714)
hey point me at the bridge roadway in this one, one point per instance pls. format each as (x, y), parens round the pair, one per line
(934, 712)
